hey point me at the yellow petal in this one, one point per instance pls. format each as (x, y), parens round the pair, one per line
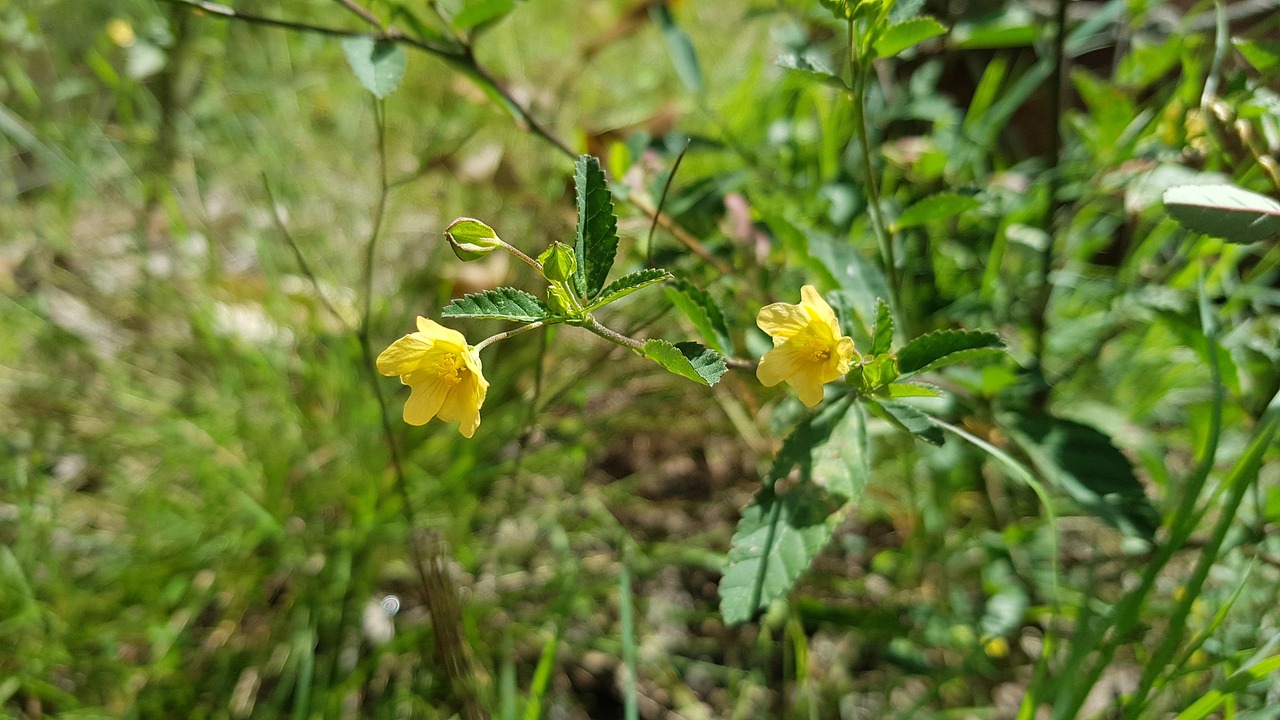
(404, 356)
(808, 386)
(463, 404)
(431, 330)
(781, 363)
(782, 320)
(838, 363)
(818, 310)
(429, 393)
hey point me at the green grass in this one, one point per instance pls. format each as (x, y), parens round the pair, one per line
(199, 516)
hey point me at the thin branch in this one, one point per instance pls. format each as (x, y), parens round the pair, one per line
(303, 266)
(363, 13)
(666, 189)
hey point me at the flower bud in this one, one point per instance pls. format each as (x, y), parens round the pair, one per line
(558, 262)
(558, 301)
(471, 239)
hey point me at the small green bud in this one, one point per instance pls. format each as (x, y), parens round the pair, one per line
(558, 263)
(471, 239)
(558, 300)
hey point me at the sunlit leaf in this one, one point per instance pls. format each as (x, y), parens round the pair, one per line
(907, 33)
(882, 334)
(475, 12)
(679, 46)
(687, 359)
(1224, 211)
(945, 347)
(378, 64)
(628, 284)
(775, 542)
(811, 66)
(502, 303)
(935, 207)
(1262, 54)
(597, 239)
(907, 418)
(703, 312)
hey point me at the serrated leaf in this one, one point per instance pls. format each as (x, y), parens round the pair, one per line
(907, 33)
(1082, 462)
(628, 284)
(378, 64)
(476, 12)
(776, 541)
(502, 303)
(1224, 211)
(704, 313)
(935, 207)
(830, 450)
(882, 333)
(811, 66)
(679, 46)
(944, 347)
(1262, 54)
(909, 419)
(687, 359)
(597, 239)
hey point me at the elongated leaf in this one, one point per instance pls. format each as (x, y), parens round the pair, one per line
(882, 334)
(1083, 462)
(906, 390)
(811, 66)
(688, 359)
(1262, 54)
(502, 303)
(907, 33)
(909, 419)
(378, 64)
(776, 541)
(945, 347)
(679, 46)
(597, 240)
(935, 207)
(703, 312)
(1224, 211)
(628, 284)
(475, 12)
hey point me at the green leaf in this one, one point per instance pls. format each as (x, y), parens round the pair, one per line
(945, 347)
(628, 284)
(882, 333)
(1262, 54)
(935, 207)
(476, 12)
(502, 303)
(703, 312)
(777, 539)
(811, 66)
(909, 419)
(680, 47)
(907, 33)
(378, 64)
(830, 449)
(688, 359)
(1083, 463)
(597, 240)
(906, 390)
(1015, 26)
(905, 10)
(1224, 211)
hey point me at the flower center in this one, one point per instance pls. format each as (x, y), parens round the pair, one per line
(451, 369)
(817, 350)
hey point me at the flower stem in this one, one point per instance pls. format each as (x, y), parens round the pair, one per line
(525, 258)
(616, 338)
(509, 334)
(858, 71)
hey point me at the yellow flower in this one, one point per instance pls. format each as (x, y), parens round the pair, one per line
(443, 372)
(808, 350)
